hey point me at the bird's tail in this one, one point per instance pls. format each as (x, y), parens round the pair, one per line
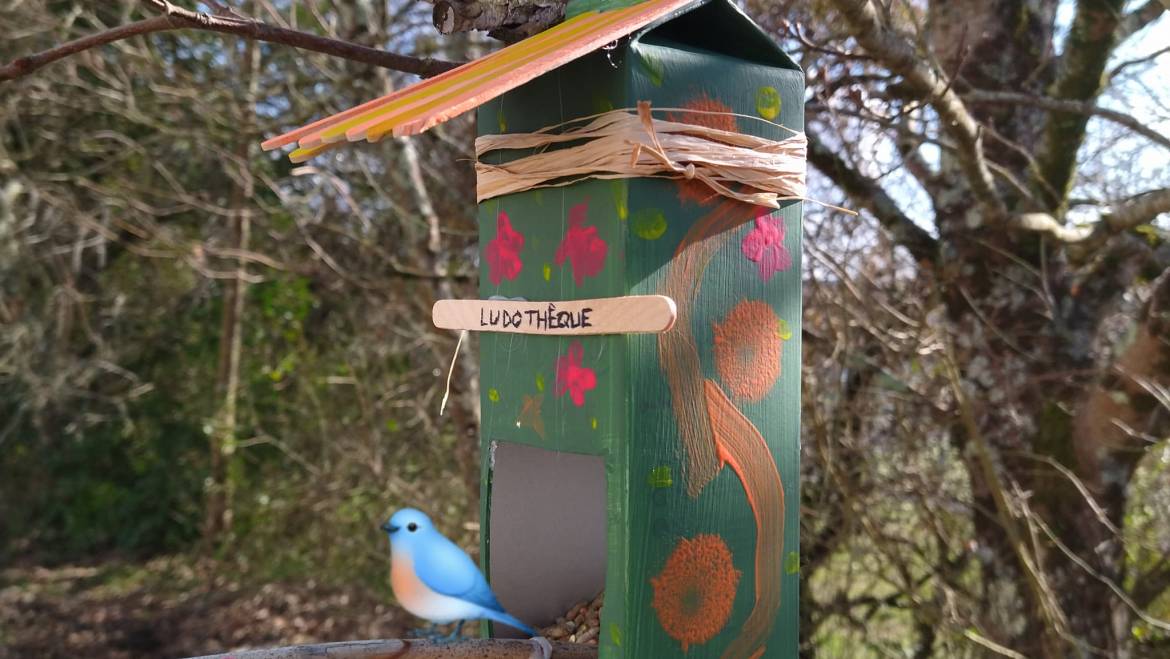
(504, 618)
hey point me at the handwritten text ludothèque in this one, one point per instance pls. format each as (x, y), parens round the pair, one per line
(542, 319)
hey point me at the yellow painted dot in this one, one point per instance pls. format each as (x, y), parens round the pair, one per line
(547, 272)
(620, 196)
(493, 395)
(501, 120)
(783, 330)
(649, 224)
(768, 102)
(593, 423)
(660, 477)
(653, 69)
(540, 382)
(792, 563)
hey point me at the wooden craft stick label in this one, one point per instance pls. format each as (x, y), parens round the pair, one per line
(534, 319)
(619, 315)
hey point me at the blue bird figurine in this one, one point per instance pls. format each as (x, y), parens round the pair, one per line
(436, 580)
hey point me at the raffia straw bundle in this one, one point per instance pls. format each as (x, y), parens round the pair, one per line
(623, 144)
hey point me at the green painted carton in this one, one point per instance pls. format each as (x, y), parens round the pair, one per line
(662, 469)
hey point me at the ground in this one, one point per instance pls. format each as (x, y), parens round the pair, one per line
(174, 607)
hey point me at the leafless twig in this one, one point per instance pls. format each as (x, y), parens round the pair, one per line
(176, 18)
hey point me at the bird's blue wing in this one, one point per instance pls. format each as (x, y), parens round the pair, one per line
(448, 570)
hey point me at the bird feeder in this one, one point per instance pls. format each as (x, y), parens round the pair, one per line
(640, 304)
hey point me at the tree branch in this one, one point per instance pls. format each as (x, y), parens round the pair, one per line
(1144, 59)
(1047, 223)
(177, 18)
(1138, 210)
(1139, 18)
(409, 649)
(1129, 213)
(23, 66)
(507, 20)
(1068, 106)
(1079, 78)
(867, 193)
(896, 52)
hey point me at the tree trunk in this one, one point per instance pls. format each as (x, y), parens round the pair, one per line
(1027, 359)
(224, 466)
(465, 408)
(218, 512)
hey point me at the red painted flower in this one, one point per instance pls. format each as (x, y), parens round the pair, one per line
(765, 245)
(503, 252)
(582, 246)
(572, 376)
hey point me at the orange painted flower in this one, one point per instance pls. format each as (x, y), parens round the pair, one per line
(747, 349)
(695, 591)
(530, 414)
(706, 111)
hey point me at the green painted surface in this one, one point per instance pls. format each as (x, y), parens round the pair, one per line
(577, 7)
(628, 414)
(519, 365)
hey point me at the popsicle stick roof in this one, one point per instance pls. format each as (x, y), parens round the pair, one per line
(414, 109)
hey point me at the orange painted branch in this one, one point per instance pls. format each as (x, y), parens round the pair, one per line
(741, 446)
(714, 431)
(677, 350)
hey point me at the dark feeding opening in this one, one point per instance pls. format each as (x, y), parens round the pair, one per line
(546, 531)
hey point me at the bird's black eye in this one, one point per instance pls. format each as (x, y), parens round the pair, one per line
(412, 527)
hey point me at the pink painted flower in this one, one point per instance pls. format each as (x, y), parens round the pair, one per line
(582, 246)
(503, 252)
(572, 376)
(765, 245)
